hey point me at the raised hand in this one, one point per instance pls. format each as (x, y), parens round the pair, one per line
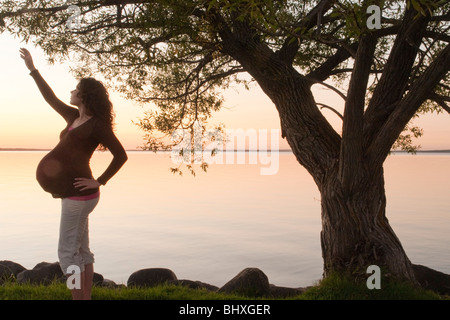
(26, 56)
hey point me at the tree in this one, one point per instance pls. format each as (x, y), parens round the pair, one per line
(179, 54)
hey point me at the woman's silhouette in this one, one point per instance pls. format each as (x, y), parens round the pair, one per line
(65, 172)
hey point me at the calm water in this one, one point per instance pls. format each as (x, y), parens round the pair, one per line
(211, 226)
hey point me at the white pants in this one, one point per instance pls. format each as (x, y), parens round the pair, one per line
(73, 247)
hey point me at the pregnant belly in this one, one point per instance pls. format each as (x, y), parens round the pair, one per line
(52, 175)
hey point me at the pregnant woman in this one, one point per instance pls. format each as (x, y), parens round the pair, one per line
(65, 172)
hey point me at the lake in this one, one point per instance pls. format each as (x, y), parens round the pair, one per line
(212, 226)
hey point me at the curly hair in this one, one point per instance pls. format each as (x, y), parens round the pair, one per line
(95, 98)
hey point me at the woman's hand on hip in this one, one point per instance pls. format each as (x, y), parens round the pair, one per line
(86, 183)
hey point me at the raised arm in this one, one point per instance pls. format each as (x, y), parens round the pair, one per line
(67, 112)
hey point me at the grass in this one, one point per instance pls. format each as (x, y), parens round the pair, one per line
(343, 288)
(59, 291)
(332, 288)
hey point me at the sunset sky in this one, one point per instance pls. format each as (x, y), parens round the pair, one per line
(26, 120)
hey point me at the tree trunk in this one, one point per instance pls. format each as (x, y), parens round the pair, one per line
(355, 231)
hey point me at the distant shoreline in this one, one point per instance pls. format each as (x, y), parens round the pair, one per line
(282, 150)
(22, 149)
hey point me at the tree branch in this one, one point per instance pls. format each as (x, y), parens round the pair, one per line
(324, 71)
(404, 110)
(396, 74)
(213, 77)
(351, 155)
(291, 45)
(342, 95)
(331, 108)
(441, 100)
(52, 10)
(437, 35)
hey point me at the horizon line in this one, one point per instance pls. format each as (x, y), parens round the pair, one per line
(240, 150)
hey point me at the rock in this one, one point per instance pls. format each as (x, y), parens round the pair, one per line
(194, 284)
(42, 273)
(432, 280)
(98, 279)
(284, 292)
(107, 283)
(9, 270)
(250, 282)
(151, 277)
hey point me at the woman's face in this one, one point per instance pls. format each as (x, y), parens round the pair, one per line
(74, 98)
